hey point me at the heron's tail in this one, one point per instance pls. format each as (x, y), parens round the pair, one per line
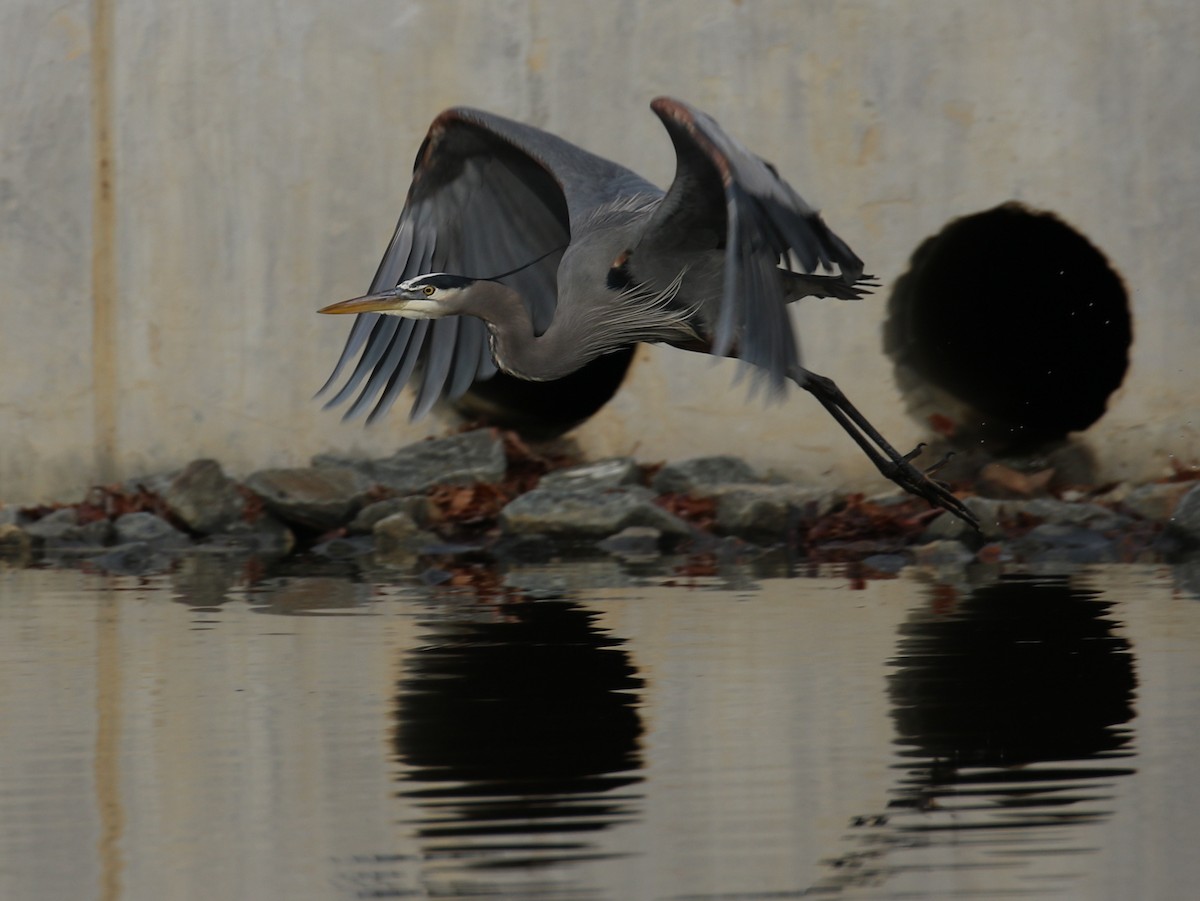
(800, 284)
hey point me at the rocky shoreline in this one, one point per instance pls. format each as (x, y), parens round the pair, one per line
(486, 496)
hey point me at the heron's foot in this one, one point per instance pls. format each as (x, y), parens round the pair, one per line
(930, 470)
(921, 484)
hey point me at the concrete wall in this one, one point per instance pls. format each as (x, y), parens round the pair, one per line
(182, 186)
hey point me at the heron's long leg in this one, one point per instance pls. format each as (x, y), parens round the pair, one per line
(890, 462)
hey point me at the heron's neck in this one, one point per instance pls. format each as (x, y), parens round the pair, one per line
(515, 347)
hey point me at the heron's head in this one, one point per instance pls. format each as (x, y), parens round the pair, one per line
(424, 297)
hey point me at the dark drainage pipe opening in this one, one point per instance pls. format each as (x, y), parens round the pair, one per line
(545, 410)
(1009, 329)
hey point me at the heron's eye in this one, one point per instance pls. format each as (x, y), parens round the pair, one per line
(429, 290)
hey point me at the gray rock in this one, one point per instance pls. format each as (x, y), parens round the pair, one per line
(155, 483)
(476, 456)
(344, 548)
(1073, 463)
(1157, 502)
(588, 514)
(994, 513)
(53, 525)
(765, 511)
(97, 533)
(399, 535)
(590, 476)
(203, 497)
(415, 505)
(702, 473)
(317, 498)
(633, 543)
(1052, 510)
(146, 528)
(888, 499)
(991, 513)
(264, 535)
(398, 526)
(1185, 521)
(942, 553)
(10, 515)
(61, 529)
(1064, 543)
(948, 528)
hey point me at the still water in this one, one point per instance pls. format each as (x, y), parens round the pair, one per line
(594, 731)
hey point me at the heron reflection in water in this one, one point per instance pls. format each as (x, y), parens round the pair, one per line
(585, 258)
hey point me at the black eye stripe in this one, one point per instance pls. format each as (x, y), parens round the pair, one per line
(439, 280)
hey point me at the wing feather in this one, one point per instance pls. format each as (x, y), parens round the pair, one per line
(471, 341)
(443, 345)
(725, 196)
(382, 331)
(392, 353)
(399, 376)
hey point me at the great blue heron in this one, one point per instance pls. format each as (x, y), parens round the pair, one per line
(519, 250)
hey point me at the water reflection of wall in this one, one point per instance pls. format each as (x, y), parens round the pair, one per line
(519, 739)
(1011, 710)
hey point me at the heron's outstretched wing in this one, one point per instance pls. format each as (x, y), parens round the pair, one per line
(488, 195)
(724, 196)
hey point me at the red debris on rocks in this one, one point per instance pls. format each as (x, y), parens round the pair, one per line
(860, 519)
(476, 507)
(106, 502)
(700, 512)
(860, 528)
(454, 508)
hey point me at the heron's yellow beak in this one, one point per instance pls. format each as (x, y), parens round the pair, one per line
(383, 302)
